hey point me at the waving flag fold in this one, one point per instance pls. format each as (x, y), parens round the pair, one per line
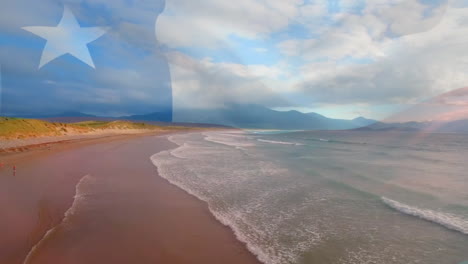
(83, 55)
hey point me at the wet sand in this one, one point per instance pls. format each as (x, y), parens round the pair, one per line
(123, 213)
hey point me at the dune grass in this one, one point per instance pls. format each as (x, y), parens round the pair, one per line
(27, 128)
(114, 125)
(19, 128)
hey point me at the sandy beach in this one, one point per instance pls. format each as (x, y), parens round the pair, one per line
(102, 201)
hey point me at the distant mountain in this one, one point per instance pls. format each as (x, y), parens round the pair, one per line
(71, 117)
(73, 114)
(354, 123)
(361, 121)
(318, 116)
(60, 115)
(157, 116)
(446, 113)
(259, 117)
(234, 115)
(457, 126)
(380, 126)
(75, 117)
(255, 116)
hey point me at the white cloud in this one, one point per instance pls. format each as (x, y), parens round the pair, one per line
(391, 52)
(209, 23)
(415, 67)
(206, 84)
(363, 35)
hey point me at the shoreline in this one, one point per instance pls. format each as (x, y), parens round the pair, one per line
(8, 156)
(220, 220)
(191, 233)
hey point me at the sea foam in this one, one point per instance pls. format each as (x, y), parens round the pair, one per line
(449, 221)
(232, 140)
(188, 167)
(79, 196)
(280, 142)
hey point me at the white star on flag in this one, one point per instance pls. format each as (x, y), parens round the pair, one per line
(68, 37)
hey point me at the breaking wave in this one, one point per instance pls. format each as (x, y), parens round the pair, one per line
(232, 140)
(79, 195)
(280, 142)
(449, 221)
(187, 167)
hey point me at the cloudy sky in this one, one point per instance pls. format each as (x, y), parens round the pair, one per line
(122, 72)
(341, 58)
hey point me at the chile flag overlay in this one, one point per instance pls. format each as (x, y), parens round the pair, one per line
(79, 55)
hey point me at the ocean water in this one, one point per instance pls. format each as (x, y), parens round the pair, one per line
(331, 197)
